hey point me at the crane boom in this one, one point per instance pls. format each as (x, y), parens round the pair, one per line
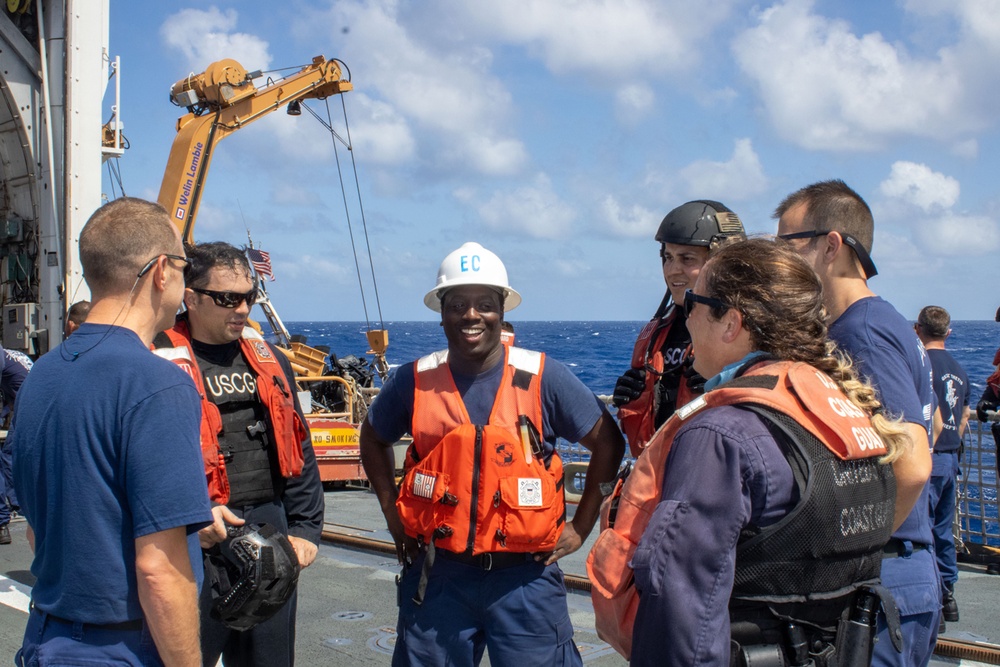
(220, 101)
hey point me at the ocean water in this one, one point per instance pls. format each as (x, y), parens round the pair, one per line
(598, 352)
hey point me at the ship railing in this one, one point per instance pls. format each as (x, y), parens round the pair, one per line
(976, 521)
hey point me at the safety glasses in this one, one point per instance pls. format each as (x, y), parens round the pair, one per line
(690, 298)
(149, 265)
(229, 299)
(866, 260)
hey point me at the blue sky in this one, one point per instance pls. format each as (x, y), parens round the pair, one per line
(558, 133)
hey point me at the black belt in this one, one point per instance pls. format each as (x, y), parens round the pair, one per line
(896, 548)
(131, 626)
(496, 560)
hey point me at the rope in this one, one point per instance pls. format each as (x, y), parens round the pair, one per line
(361, 205)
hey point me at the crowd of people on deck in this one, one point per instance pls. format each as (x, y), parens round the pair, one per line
(788, 500)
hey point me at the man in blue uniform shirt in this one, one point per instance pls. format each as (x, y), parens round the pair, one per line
(107, 463)
(498, 592)
(831, 226)
(951, 384)
(13, 369)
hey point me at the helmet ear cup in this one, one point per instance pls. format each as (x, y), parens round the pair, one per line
(699, 223)
(252, 575)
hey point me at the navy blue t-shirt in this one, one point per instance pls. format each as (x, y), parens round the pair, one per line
(106, 450)
(569, 409)
(951, 384)
(889, 355)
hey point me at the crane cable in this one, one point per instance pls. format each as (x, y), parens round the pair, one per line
(335, 137)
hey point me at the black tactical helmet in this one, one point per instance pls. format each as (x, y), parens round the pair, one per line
(252, 575)
(702, 222)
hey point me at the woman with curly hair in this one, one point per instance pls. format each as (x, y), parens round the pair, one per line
(768, 499)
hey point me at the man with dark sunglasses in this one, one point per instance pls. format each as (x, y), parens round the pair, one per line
(260, 463)
(831, 226)
(661, 377)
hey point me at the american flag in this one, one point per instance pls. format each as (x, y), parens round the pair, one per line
(261, 262)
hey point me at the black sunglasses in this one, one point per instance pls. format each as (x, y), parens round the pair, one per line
(866, 260)
(229, 299)
(690, 298)
(149, 265)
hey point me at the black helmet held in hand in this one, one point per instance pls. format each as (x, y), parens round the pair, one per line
(702, 223)
(252, 575)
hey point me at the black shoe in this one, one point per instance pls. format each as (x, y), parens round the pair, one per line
(4, 534)
(942, 626)
(949, 610)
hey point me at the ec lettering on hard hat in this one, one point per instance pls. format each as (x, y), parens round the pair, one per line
(472, 264)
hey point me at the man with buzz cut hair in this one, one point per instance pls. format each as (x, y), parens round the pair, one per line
(75, 316)
(107, 463)
(951, 384)
(831, 226)
(260, 464)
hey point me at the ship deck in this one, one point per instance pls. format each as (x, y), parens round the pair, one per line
(347, 610)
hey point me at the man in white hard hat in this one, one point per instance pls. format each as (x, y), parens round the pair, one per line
(479, 520)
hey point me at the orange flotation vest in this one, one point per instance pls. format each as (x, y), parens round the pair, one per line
(638, 417)
(802, 392)
(476, 489)
(286, 427)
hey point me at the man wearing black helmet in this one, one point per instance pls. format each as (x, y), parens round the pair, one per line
(648, 392)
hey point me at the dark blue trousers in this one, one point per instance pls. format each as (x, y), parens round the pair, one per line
(942, 494)
(52, 643)
(8, 501)
(518, 613)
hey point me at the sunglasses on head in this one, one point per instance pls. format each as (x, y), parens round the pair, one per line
(866, 260)
(149, 265)
(229, 299)
(690, 299)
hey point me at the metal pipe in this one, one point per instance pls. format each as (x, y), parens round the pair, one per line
(46, 105)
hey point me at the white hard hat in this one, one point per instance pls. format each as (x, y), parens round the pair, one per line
(472, 264)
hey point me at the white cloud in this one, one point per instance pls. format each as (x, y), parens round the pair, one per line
(824, 87)
(457, 111)
(917, 184)
(534, 210)
(380, 133)
(633, 222)
(968, 149)
(571, 268)
(289, 194)
(633, 102)
(921, 201)
(956, 235)
(741, 177)
(598, 37)
(205, 36)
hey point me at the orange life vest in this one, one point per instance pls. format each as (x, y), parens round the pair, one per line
(638, 417)
(478, 489)
(287, 429)
(803, 393)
